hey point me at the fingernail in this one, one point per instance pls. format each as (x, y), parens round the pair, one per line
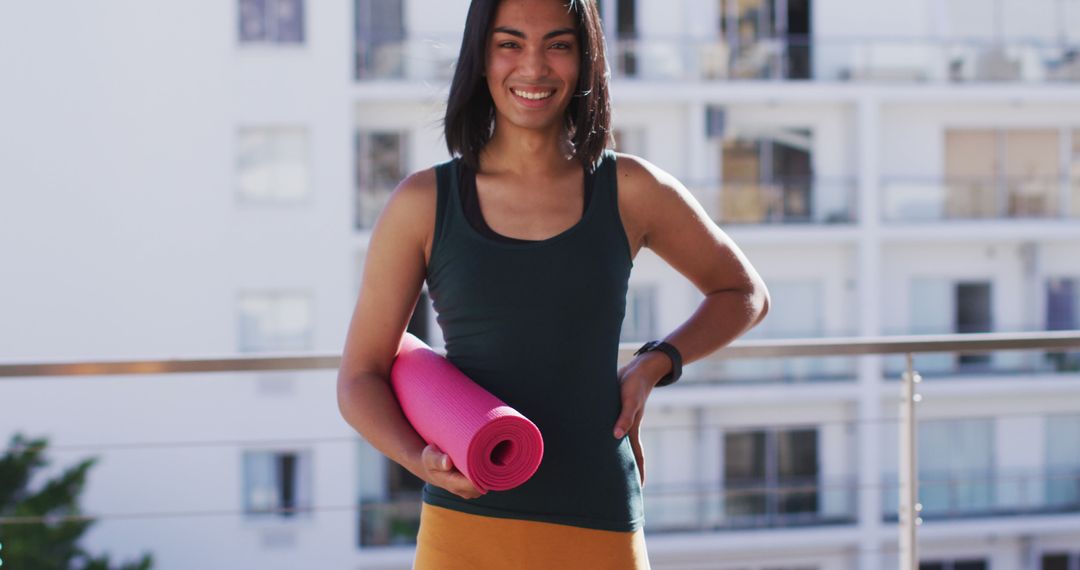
(445, 462)
(619, 433)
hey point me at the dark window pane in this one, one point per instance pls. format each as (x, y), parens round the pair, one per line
(1061, 310)
(969, 565)
(380, 32)
(401, 482)
(744, 474)
(744, 456)
(797, 453)
(252, 20)
(627, 23)
(286, 471)
(797, 471)
(973, 315)
(931, 566)
(288, 17)
(973, 308)
(1055, 562)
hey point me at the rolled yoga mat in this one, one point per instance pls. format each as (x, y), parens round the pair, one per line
(492, 444)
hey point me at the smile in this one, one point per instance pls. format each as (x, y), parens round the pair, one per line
(532, 95)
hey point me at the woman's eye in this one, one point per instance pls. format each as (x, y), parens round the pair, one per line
(560, 45)
(508, 45)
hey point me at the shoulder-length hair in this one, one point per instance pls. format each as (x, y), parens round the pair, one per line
(470, 112)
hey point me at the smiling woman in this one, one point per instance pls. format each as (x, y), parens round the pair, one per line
(526, 240)
(560, 61)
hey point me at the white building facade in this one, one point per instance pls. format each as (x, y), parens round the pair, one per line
(201, 179)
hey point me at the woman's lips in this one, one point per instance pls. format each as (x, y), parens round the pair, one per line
(532, 98)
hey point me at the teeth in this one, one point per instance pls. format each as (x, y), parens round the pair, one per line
(532, 96)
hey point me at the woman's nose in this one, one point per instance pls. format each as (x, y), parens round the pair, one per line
(534, 63)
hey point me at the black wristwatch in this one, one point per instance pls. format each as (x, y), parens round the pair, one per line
(673, 354)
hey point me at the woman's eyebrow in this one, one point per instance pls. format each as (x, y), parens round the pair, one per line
(520, 34)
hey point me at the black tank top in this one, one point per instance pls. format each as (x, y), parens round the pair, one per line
(537, 323)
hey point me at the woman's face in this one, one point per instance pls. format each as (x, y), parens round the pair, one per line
(532, 63)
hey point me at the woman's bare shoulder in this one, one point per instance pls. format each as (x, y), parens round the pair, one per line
(639, 178)
(409, 214)
(643, 186)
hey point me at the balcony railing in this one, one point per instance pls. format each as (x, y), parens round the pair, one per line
(790, 200)
(779, 58)
(975, 198)
(773, 501)
(952, 495)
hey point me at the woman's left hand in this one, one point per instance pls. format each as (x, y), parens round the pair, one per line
(636, 381)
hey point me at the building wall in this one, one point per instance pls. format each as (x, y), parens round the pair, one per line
(124, 238)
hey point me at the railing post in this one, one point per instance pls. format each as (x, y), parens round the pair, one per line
(909, 470)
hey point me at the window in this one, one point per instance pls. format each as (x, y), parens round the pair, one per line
(380, 166)
(380, 37)
(998, 172)
(767, 38)
(277, 483)
(768, 178)
(771, 474)
(271, 21)
(954, 565)
(1063, 313)
(973, 315)
(956, 468)
(389, 500)
(625, 33)
(1063, 461)
(639, 324)
(274, 321)
(1060, 561)
(272, 165)
(941, 305)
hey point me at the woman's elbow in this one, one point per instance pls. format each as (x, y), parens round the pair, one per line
(759, 302)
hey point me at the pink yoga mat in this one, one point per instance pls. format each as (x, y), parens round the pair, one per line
(492, 444)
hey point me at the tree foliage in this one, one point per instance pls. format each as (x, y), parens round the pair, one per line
(52, 543)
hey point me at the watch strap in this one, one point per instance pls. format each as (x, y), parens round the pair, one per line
(672, 353)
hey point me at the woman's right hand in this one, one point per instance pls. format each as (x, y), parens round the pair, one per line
(439, 471)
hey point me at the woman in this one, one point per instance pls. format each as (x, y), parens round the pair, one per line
(526, 240)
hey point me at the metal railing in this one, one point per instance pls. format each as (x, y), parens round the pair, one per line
(1057, 341)
(973, 198)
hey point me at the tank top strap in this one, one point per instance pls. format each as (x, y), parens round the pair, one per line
(606, 193)
(446, 189)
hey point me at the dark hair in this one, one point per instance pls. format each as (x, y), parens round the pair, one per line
(470, 110)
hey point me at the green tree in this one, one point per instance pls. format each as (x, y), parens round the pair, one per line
(51, 544)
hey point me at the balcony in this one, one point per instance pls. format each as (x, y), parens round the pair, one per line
(841, 59)
(980, 198)
(997, 493)
(780, 201)
(766, 489)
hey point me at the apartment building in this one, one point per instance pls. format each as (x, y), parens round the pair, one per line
(202, 179)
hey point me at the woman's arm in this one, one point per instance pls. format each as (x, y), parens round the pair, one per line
(394, 272)
(661, 214)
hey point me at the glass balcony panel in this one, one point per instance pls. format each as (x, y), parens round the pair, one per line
(781, 201)
(989, 493)
(919, 200)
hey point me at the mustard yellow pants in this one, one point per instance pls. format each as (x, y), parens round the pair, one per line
(452, 540)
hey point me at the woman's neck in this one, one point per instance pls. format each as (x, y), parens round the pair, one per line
(526, 152)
